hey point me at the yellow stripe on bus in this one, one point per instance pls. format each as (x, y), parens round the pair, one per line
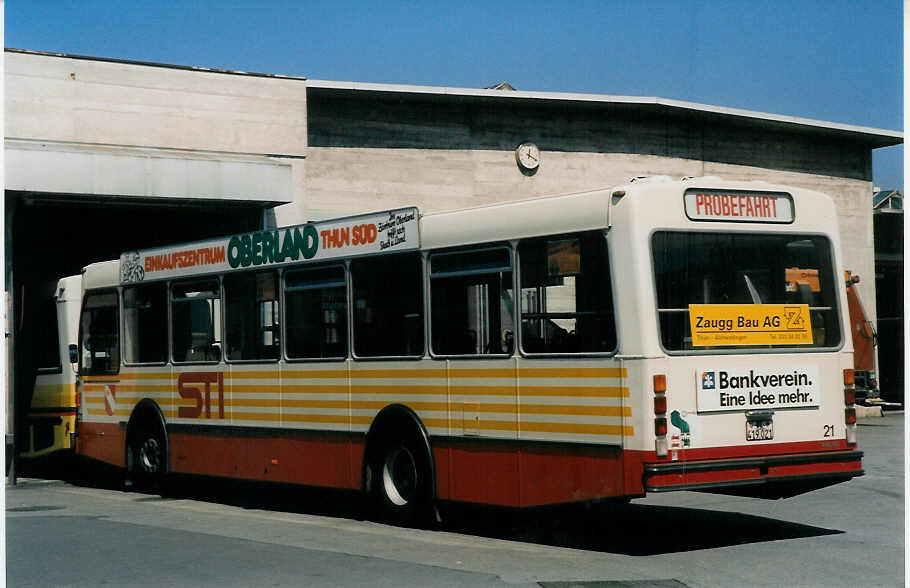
(486, 425)
(127, 375)
(53, 395)
(538, 427)
(529, 372)
(431, 373)
(523, 408)
(491, 425)
(101, 412)
(275, 388)
(402, 389)
(549, 409)
(125, 388)
(399, 389)
(45, 388)
(524, 372)
(568, 391)
(367, 373)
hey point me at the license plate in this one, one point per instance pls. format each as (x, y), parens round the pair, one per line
(759, 430)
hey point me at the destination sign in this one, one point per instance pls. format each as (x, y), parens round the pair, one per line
(739, 206)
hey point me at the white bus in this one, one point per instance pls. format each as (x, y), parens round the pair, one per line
(51, 418)
(661, 335)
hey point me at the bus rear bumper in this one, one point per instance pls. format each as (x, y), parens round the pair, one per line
(776, 476)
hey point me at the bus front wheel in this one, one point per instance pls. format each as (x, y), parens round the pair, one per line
(147, 458)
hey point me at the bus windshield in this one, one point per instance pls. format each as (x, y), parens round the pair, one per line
(741, 268)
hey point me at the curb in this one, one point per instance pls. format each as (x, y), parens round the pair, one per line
(864, 412)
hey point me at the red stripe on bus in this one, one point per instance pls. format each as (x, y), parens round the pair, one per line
(760, 450)
(523, 475)
(472, 471)
(467, 470)
(103, 441)
(312, 459)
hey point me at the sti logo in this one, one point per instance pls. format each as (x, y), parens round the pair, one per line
(707, 380)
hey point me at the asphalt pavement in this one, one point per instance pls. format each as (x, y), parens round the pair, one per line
(85, 530)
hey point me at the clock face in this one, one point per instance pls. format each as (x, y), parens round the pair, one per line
(528, 156)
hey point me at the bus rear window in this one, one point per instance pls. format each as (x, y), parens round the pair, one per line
(738, 268)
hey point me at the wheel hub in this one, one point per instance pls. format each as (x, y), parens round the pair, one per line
(150, 456)
(399, 476)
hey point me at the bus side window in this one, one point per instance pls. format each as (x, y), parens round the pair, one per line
(251, 315)
(388, 306)
(472, 302)
(196, 321)
(566, 298)
(145, 323)
(316, 310)
(100, 338)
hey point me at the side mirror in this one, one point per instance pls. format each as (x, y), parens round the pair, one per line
(74, 353)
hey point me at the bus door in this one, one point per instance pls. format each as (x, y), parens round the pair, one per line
(472, 329)
(315, 377)
(200, 385)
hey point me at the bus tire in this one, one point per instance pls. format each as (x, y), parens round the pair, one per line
(147, 450)
(400, 478)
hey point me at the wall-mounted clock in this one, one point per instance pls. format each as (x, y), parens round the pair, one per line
(527, 155)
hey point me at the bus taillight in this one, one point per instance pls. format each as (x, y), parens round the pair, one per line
(850, 416)
(660, 394)
(849, 396)
(850, 409)
(660, 412)
(848, 377)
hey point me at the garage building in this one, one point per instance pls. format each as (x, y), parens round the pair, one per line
(105, 155)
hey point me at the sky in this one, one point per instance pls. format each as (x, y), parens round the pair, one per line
(831, 60)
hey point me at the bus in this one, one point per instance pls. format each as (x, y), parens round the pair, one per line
(581, 347)
(51, 420)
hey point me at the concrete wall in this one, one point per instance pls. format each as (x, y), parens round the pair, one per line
(88, 101)
(377, 120)
(377, 152)
(374, 150)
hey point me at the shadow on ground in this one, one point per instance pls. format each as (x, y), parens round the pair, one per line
(619, 528)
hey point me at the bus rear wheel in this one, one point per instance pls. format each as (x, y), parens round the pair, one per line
(399, 476)
(400, 482)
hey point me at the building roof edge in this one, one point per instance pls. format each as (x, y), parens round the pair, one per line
(884, 137)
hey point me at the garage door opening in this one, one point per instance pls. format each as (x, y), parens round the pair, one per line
(53, 236)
